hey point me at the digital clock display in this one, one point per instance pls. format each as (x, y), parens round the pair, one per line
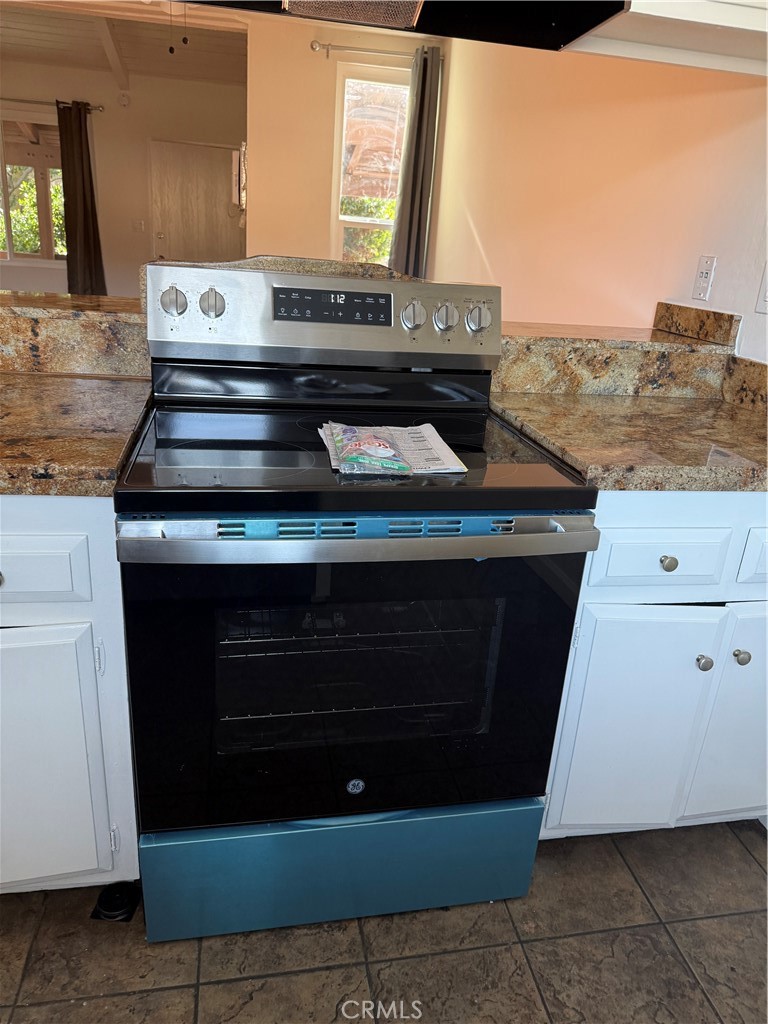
(318, 306)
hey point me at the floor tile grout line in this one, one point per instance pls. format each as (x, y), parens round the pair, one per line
(442, 952)
(638, 924)
(693, 973)
(90, 996)
(715, 917)
(530, 965)
(202, 984)
(281, 974)
(751, 854)
(638, 883)
(669, 934)
(364, 945)
(196, 1007)
(24, 969)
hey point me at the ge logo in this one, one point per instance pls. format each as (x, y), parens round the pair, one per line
(355, 786)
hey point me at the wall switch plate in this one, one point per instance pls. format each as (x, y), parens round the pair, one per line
(704, 274)
(761, 306)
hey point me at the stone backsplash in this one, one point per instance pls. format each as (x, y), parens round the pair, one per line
(745, 382)
(707, 325)
(97, 336)
(608, 367)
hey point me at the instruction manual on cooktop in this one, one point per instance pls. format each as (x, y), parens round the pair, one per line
(389, 451)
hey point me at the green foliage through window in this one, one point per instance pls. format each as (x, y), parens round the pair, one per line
(367, 245)
(22, 196)
(26, 206)
(366, 206)
(57, 212)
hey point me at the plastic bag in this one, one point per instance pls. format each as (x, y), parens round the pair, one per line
(363, 450)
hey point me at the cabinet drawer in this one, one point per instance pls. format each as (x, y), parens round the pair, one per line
(44, 567)
(635, 557)
(753, 567)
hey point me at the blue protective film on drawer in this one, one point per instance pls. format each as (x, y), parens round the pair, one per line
(245, 878)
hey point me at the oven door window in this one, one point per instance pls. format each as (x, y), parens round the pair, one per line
(373, 671)
(263, 693)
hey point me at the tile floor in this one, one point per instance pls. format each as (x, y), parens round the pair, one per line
(667, 927)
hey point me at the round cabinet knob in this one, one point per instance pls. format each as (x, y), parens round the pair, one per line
(446, 316)
(742, 657)
(173, 301)
(212, 303)
(478, 318)
(668, 563)
(413, 316)
(705, 663)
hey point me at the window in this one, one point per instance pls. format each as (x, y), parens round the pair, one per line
(373, 104)
(32, 213)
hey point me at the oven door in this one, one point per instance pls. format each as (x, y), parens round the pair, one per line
(339, 676)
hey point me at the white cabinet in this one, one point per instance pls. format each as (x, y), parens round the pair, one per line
(730, 773)
(67, 813)
(643, 697)
(53, 793)
(650, 733)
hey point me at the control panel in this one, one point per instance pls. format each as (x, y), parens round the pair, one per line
(234, 314)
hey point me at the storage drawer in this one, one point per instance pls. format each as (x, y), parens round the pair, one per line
(753, 568)
(637, 557)
(44, 568)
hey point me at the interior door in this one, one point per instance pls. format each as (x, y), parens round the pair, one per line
(193, 217)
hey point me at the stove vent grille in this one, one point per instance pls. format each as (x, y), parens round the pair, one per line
(231, 530)
(371, 527)
(304, 528)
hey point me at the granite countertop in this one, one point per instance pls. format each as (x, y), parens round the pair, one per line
(663, 408)
(66, 435)
(79, 307)
(631, 442)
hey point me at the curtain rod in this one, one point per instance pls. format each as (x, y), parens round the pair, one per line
(315, 46)
(48, 103)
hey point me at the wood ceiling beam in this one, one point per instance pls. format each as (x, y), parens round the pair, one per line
(29, 131)
(158, 12)
(112, 51)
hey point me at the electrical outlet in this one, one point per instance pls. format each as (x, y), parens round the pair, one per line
(761, 306)
(704, 274)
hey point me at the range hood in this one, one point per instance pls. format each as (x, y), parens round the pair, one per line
(539, 24)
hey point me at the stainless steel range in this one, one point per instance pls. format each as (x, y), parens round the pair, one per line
(343, 690)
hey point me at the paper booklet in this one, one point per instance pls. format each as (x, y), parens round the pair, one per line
(389, 451)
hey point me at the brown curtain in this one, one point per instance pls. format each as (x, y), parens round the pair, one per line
(410, 237)
(85, 270)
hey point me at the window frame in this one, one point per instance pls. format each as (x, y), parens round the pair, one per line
(42, 159)
(379, 74)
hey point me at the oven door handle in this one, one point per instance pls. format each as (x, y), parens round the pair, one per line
(197, 542)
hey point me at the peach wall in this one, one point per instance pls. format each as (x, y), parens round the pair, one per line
(588, 186)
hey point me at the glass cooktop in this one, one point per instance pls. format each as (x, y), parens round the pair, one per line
(203, 459)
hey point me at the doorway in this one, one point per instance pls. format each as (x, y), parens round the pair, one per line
(194, 219)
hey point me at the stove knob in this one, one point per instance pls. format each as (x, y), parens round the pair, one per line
(212, 303)
(174, 301)
(446, 316)
(478, 318)
(413, 316)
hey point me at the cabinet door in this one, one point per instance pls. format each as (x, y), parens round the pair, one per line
(53, 801)
(634, 712)
(730, 773)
